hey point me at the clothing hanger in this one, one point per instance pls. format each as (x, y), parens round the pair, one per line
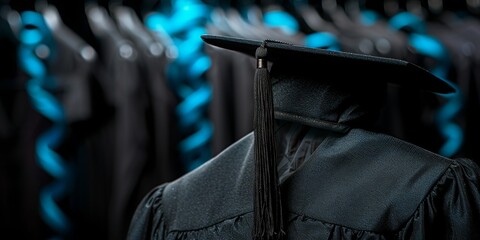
(226, 20)
(473, 7)
(336, 14)
(70, 16)
(219, 20)
(129, 22)
(75, 47)
(153, 20)
(239, 24)
(311, 19)
(254, 14)
(233, 11)
(101, 24)
(136, 6)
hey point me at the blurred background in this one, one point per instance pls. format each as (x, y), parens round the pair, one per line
(100, 101)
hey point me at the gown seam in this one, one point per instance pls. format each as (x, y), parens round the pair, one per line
(210, 225)
(340, 225)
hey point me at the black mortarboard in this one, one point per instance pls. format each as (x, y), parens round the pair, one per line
(348, 68)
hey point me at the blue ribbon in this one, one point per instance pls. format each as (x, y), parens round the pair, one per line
(186, 76)
(33, 34)
(430, 46)
(322, 40)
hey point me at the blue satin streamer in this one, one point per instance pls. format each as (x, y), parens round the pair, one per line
(430, 46)
(186, 75)
(322, 40)
(33, 34)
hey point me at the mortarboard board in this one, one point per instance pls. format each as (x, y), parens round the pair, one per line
(299, 61)
(368, 68)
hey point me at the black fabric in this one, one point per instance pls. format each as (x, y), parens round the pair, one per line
(13, 101)
(221, 109)
(134, 149)
(162, 102)
(231, 108)
(20, 177)
(73, 70)
(158, 165)
(122, 140)
(353, 183)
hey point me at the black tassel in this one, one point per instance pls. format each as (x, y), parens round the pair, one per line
(268, 221)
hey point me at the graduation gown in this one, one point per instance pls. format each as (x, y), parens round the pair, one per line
(339, 178)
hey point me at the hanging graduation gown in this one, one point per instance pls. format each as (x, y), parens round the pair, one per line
(122, 146)
(160, 164)
(339, 179)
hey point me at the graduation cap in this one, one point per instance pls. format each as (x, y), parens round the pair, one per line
(299, 61)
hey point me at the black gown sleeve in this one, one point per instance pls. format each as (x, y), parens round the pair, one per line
(147, 221)
(452, 209)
